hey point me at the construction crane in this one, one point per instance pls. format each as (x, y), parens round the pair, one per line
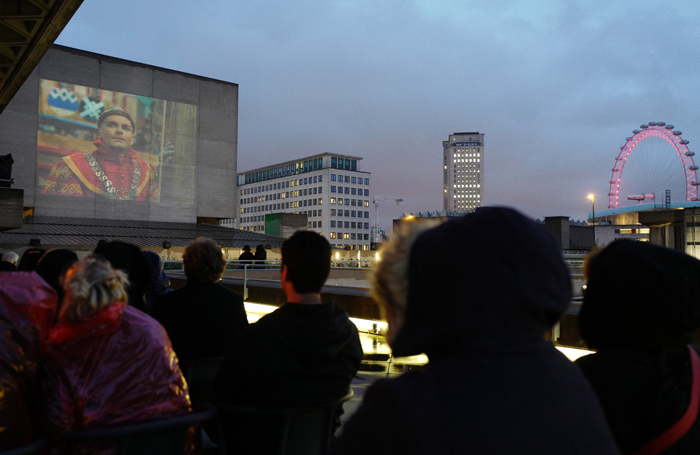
(375, 201)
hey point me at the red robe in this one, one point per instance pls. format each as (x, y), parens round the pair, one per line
(100, 172)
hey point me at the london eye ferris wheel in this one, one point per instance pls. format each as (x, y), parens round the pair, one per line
(656, 160)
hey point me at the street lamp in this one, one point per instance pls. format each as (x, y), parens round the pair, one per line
(592, 198)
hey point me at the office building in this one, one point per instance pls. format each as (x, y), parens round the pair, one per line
(329, 189)
(463, 172)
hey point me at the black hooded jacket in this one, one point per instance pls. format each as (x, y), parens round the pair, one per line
(494, 384)
(641, 307)
(297, 355)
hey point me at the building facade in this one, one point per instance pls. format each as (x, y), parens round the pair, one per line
(182, 144)
(329, 189)
(463, 171)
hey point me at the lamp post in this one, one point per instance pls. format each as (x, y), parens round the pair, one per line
(592, 198)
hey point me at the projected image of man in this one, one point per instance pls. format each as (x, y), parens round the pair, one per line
(113, 170)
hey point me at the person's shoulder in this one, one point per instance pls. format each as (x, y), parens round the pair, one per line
(169, 298)
(223, 292)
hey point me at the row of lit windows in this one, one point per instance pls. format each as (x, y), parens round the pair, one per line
(280, 185)
(349, 179)
(258, 218)
(282, 205)
(285, 195)
(350, 247)
(349, 224)
(349, 236)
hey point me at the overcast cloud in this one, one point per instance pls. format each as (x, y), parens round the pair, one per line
(556, 86)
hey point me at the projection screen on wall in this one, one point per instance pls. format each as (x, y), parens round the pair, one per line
(150, 160)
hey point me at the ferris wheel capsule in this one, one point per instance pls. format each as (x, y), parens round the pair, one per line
(637, 131)
(644, 126)
(652, 123)
(685, 142)
(660, 123)
(669, 127)
(677, 133)
(693, 168)
(689, 153)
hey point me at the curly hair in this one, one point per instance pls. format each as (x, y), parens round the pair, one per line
(389, 282)
(204, 260)
(91, 285)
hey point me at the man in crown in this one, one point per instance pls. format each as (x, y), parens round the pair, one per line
(113, 170)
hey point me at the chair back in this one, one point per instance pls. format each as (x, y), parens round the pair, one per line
(160, 437)
(200, 375)
(33, 448)
(297, 431)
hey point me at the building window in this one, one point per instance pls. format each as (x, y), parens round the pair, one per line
(320, 177)
(352, 202)
(354, 180)
(332, 212)
(353, 213)
(320, 189)
(352, 236)
(366, 192)
(353, 225)
(319, 224)
(340, 201)
(366, 203)
(332, 189)
(346, 236)
(366, 214)
(332, 225)
(347, 225)
(347, 179)
(366, 225)
(366, 181)
(366, 236)
(332, 200)
(347, 201)
(354, 191)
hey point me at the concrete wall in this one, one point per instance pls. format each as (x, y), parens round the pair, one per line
(214, 139)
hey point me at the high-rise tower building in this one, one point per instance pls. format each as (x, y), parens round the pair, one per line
(463, 171)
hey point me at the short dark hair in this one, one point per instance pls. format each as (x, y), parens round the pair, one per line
(203, 260)
(307, 256)
(115, 111)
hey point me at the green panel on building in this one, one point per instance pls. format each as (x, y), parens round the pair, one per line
(272, 224)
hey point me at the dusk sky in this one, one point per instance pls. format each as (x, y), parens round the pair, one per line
(556, 86)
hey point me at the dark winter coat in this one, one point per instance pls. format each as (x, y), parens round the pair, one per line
(297, 355)
(494, 384)
(202, 319)
(641, 307)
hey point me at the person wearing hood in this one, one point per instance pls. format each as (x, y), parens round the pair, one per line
(640, 309)
(494, 384)
(304, 353)
(260, 256)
